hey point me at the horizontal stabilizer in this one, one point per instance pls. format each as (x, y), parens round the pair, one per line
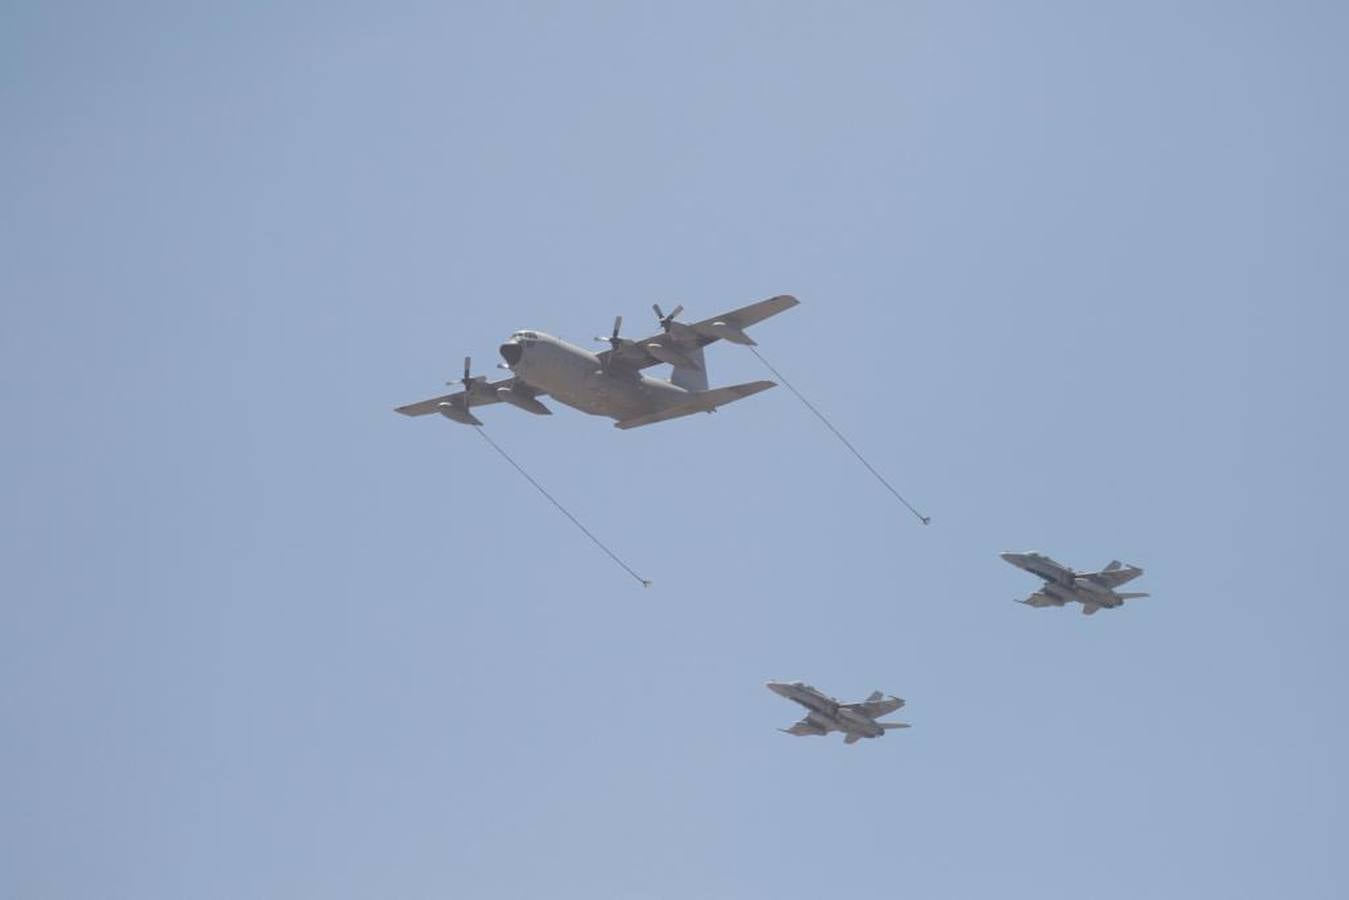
(702, 401)
(852, 738)
(1089, 609)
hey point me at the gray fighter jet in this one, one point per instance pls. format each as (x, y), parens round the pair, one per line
(855, 720)
(610, 383)
(1093, 590)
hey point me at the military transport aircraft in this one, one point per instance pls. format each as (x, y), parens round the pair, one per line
(610, 383)
(1092, 589)
(855, 720)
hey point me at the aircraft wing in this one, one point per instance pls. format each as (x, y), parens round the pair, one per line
(1116, 574)
(874, 709)
(1058, 572)
(1040, 598)
(684, 338)
(481, 393)
(745, 316)
(804, 727)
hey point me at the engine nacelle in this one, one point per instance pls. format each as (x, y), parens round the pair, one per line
(859, 722)
(528, 404)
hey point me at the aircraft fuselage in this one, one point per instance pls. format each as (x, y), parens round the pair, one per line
(826, 713)
(1094, 590)
(574, 376)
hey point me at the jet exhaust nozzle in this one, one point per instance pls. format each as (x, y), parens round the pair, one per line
(511, 352)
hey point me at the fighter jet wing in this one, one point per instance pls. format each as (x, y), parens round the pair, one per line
(876, 705)
(1117, 574)
(852, 738)
(804, 727)
(874, 709)
(483, 393)
(1040, 598)
(682, 338)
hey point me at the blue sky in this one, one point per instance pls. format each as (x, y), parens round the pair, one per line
(1071, 275)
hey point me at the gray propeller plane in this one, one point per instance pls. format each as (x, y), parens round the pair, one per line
(1094, 590)
(855, 720)
(610, 383)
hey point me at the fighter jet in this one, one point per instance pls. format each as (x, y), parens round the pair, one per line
(1092, 589)
(855, 720)
(610, 383)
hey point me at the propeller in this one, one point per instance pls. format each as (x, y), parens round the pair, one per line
(467, 381)
(613, 340)
(667, 321)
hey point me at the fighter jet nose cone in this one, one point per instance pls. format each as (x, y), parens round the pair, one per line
(511, 352)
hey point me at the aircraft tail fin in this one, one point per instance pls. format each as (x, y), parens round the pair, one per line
(1112, 565)
(691, 377)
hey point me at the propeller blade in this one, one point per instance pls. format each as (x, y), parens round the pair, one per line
(468, 361)
(666, 321)
(618, 324)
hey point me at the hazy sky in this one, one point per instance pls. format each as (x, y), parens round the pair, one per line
(1072, 275)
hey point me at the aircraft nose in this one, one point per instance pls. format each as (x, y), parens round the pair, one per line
(511, 352)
